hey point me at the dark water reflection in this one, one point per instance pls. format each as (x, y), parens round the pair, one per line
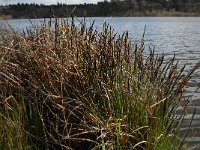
(169, 35)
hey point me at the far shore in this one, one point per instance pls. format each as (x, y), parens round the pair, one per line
(164, 14)
(127, 14)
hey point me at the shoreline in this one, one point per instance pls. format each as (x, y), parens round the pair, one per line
(162, 13)
(132, 15)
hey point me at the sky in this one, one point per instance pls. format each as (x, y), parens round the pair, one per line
(48, 2)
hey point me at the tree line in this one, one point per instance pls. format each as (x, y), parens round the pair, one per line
(105, 8)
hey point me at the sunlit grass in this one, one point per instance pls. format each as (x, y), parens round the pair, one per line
(73, 87)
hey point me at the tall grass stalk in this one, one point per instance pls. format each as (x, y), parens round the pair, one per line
(87, 89)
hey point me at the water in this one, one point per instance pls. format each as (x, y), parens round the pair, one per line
(169, 35)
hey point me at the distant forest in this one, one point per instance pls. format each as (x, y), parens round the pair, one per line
(105, 8)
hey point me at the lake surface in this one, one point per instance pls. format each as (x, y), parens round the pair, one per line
(180, 35)
(169, 35)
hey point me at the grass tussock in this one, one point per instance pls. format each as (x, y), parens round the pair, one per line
(72, 87)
